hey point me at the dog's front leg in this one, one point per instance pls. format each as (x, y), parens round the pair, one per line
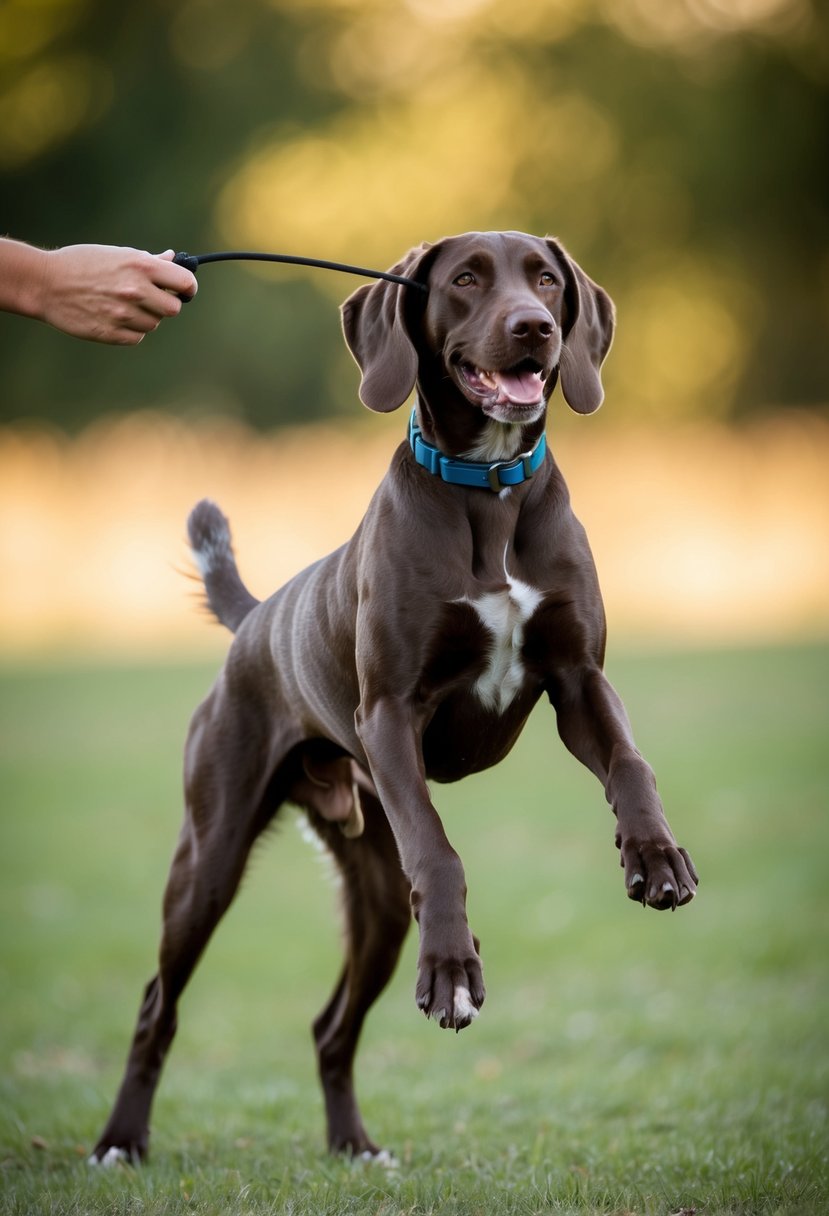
(450, 984)
(594, 725)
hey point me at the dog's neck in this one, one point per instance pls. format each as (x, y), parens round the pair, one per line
(497, 441)
(463, 432)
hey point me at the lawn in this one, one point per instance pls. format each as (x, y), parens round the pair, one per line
(626, 1061)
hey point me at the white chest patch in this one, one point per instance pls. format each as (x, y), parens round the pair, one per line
(504, 615)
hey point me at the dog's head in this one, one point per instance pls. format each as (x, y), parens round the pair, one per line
(505, 315)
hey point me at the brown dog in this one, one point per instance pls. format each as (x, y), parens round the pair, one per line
(415, 651)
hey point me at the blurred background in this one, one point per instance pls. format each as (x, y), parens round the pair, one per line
(678, 150)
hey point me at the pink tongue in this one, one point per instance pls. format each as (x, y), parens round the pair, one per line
(521, 388)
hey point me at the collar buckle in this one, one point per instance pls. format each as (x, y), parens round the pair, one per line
(524, 460)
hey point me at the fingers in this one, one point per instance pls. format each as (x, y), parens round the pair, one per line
(111, 294)
(171, 277)
(152, 293)
(124, 337)
(133, 319)
(152, 298)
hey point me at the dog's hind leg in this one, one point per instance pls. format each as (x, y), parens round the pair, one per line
(377, 916)
(229, 800)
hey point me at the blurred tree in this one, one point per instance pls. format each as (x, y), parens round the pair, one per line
(163, 100)
(676, 149)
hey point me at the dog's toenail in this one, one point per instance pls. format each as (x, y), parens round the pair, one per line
(636, 889)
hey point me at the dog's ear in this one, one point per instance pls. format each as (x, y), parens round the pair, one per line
(591, 323)
(376, 326)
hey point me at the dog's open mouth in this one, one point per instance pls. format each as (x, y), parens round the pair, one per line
(521, 386)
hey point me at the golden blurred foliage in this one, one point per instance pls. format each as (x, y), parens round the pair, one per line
(701, 533)
(675, 148)
(688, 342)
(692, 22)
(48, 104)
(465, 146)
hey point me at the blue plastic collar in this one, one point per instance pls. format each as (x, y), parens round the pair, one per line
(496, 476)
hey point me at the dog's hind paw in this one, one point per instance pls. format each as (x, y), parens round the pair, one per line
(111, 1157)
(381, 1157)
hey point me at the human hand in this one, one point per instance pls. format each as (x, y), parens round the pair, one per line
(103, 293)
(110, 294)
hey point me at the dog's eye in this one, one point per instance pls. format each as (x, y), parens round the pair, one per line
(464, 280)
(547, 279)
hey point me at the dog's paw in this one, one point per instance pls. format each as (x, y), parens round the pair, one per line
(110, 1158)
(463, 1011)
(658, 875)
(451, 992)
(118, 1147)
(381, 1157)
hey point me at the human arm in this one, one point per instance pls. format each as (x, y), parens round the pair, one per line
(103, 293)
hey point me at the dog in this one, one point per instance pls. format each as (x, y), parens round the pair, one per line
(415, 652)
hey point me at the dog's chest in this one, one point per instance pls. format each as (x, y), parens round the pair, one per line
(504, 614)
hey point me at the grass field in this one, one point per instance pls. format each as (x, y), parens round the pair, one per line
(625, 1061)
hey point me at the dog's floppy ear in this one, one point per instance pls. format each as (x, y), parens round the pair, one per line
(588, 339)
(376, 331)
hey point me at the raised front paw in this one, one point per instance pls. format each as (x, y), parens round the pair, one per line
(658, 874)
(450, 985)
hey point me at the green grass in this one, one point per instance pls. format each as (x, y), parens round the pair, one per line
(626, 1061)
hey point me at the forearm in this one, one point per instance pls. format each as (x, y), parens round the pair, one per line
(23, 275)
(104, 293)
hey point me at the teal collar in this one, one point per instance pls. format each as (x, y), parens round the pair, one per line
(495, 476)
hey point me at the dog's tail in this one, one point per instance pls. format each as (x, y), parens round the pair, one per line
(227, 596)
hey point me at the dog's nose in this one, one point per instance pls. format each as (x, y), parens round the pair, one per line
(531, 324)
